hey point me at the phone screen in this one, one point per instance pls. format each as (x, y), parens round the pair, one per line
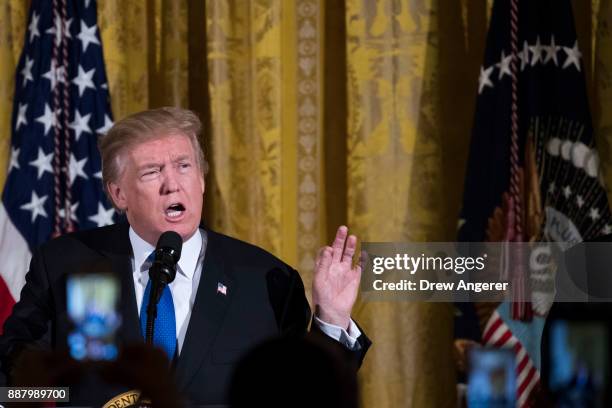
(92, 301)
(491, 378)
(578, 371)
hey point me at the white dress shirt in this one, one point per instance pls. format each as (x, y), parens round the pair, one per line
(185, 287)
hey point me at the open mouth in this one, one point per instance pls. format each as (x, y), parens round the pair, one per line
(175, 210)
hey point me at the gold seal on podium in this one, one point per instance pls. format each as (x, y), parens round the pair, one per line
(129, 399)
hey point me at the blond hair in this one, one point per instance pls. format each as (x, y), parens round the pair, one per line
(141, 127)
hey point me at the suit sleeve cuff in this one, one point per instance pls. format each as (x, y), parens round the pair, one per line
(347, 338)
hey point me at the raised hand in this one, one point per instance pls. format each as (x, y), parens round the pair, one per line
(336, 280)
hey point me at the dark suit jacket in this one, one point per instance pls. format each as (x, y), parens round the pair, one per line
(265, 298)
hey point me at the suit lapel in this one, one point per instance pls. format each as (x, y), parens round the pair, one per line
(208, 312)
(119, 250)
(130, 328)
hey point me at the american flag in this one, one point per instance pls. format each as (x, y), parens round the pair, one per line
(499, 334)
(221, 288)
(61, 106)
(533, 173)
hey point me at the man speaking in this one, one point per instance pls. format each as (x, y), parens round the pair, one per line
(227, 295)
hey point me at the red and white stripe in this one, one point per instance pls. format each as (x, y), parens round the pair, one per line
(498, 334)
(15, 255)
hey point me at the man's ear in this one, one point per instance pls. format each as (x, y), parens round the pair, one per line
(117, 195)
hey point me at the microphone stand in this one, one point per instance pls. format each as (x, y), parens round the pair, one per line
(161, 273)
(156, 288)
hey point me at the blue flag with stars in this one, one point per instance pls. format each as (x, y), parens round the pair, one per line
(533, 173)
(61, 108)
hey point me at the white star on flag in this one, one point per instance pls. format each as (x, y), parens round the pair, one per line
(27, 71)
(48, 119)
(504, 65)
(524, 55)
(573, 56)
(33, 27)
(21, 116)
(73, 209)
(80, 124)
(88, 35)
(551, 51)
(536, 49)
(103, 217)
(551, 188)
(56, 29)
(36, 206)
(567, 191)
(579, 201)
(108, 123)
(607, 229)
(84, 80)
(43, 162)
(594, 213)
(484, 79)
(98, 174)
(75, 168)
(14, 162)
(54, 75)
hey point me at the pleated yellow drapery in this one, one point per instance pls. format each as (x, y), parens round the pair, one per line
(265, 85)
(319, 113)
(145, 52)
(13, 15)
(602, 79)
(407, 146)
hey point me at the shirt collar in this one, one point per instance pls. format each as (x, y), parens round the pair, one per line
(189, 253)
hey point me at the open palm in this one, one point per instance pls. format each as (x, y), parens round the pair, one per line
(336, 280)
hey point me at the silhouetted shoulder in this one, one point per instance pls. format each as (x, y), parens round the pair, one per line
(112, 238)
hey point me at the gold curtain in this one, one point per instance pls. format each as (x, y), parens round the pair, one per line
(601, 91)
(319, 113)
(408, 141)
(13, 17)
(145, 52)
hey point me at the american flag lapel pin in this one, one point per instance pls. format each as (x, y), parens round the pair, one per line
(221, 288)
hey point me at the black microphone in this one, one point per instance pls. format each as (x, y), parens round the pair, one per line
(161, 273)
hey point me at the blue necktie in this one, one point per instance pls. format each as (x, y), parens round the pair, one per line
(164, 335)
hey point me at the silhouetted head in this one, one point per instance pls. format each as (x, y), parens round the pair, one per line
(310, 371)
